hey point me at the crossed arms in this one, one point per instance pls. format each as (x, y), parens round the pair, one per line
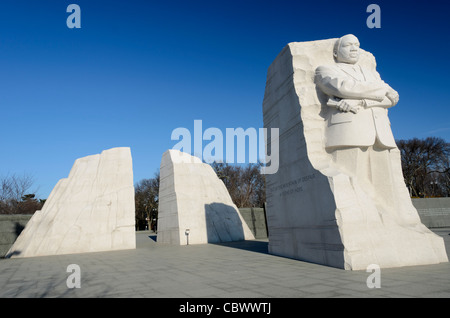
(348, 94)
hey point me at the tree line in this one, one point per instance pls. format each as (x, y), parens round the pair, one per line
(17, 195)
(244, 183)
(425, 167)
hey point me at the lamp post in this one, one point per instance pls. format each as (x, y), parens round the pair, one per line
(186, 232)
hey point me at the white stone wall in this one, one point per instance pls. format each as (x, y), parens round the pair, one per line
(90, 211)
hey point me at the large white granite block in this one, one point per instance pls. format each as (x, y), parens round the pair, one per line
(90, 211)
(339, 197)
(194, 201)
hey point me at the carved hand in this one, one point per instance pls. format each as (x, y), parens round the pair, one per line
(349, 105)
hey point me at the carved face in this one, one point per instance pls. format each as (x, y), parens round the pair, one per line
(348, 49)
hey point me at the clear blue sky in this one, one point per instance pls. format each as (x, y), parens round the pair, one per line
(136, 70)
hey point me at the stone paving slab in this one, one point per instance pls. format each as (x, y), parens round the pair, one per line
(226, 270)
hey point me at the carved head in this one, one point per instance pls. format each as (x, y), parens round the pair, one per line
(346, 49)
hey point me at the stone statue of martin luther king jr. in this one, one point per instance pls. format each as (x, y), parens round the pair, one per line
(358, 132)
(373, 207)
(359, 99)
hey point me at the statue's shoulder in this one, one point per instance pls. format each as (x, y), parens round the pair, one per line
(328, 69)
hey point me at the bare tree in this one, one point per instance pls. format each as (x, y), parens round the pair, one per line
(425, 165)
(17, 196)
(245, 184)
(146, 202)
(445, 177)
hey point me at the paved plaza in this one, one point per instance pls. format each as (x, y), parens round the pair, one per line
(226, 270)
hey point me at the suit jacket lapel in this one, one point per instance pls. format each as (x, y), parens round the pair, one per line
(353, 75)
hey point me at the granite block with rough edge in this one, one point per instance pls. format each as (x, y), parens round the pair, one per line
(92, 210)
(317, 211)
(192, 197)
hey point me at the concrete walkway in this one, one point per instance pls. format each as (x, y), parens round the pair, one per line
(227, 270)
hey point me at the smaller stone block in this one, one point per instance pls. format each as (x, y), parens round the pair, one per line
(194, 204)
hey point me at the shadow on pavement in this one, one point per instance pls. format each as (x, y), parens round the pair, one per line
(258, 246)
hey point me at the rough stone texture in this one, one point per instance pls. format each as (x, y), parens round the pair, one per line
(90, 211)
(316, 211)
(191, 196)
